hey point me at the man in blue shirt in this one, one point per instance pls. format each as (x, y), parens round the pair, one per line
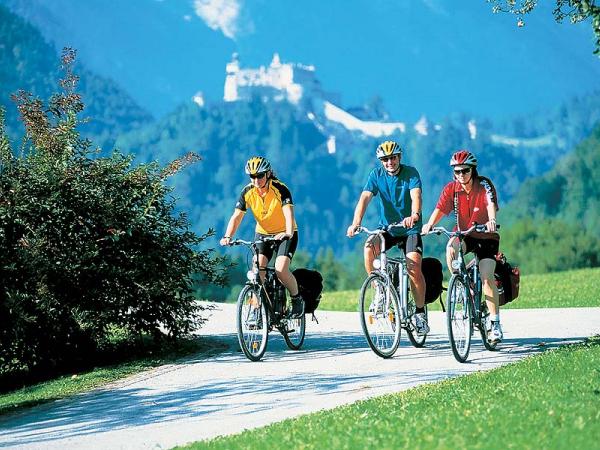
(399, 189)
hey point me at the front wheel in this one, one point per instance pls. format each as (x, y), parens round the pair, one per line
(252, 323)
(293, 332)
(379, 312)
(459, 318)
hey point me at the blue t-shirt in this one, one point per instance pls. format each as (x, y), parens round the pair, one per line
(394, 196)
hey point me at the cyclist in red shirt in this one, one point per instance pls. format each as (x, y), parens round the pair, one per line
(474, 199)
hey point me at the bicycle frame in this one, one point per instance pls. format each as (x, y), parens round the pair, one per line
(386, 267)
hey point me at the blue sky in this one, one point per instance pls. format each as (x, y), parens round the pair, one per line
(431, 57)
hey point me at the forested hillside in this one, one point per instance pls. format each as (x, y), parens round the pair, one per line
(554, 218)
(326, 185)
(28, 62)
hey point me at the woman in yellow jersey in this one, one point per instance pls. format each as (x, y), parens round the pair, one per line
(271, 203)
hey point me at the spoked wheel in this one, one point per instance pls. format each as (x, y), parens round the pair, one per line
(482, 327)
(293, 332)
(460, 322)
(379, 313)
(252, 323)
(415, 339)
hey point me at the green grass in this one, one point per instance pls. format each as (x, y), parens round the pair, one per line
(574, 288)
(547, 401)
(66, 386)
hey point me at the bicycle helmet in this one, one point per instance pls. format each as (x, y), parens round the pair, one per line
(257, 164)
(388, 148)
(463, 157)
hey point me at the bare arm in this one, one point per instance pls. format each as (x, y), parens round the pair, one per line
(288, 214)
(232, 226)
(435, 217)
(491, 210)
(359, 212)
(416, 200)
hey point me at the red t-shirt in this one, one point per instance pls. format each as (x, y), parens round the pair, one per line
(472, 207)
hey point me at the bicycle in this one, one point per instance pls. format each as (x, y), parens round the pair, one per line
(386, 304)
(464, 308)
(261, 307)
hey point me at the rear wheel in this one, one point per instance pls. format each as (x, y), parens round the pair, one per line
(379, 311)
(252, 323)
(293, 332)
(415, 339)
(459, 318)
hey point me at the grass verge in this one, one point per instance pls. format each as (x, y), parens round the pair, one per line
(573, 288)
(545, 401)
(76, 383)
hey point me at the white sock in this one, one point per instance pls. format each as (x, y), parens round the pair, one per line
(496, 318)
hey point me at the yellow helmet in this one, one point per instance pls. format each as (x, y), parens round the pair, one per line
(388, 148)
(257, 164)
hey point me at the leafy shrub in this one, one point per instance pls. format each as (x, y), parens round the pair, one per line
(88, 243)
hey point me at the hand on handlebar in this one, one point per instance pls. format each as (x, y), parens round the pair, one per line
(352, 230)
(282, 236)
(225, 241)
(426, 229)
(491, 226)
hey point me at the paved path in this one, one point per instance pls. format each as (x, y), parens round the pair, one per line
(201, 398)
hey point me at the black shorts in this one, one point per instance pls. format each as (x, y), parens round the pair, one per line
(408, 244)
(483, 248)
(284, 248)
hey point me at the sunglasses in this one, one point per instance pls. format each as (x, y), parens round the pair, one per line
(462, 171)
(387, 158)
(258, 176)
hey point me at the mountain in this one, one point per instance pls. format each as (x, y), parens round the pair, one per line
(28, 62)
(429, 57)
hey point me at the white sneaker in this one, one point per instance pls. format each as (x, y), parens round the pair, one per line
(376, 306)
(420, 321)
(495, 333)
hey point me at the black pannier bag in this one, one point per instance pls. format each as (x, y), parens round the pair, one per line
(310, 285)
(508, 279)
(434, 275)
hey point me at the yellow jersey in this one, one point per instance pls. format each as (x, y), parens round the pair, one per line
(268, 208)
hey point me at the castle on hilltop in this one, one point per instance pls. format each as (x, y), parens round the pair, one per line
(279, 81)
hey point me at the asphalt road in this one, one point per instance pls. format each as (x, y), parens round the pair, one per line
(202, 397)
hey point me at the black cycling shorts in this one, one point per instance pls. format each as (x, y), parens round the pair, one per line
(408, 244)
(483, 248)
(284, 248)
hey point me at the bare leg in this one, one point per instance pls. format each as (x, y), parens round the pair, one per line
(417, 280)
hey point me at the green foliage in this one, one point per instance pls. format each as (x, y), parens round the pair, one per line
(575, 11)
(545, 401)
(87, 243)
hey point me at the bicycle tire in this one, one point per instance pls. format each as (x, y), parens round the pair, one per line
(482, 330)
(380, 322)
(415, 339)
(252, 337)
(459, 318)
(293, 332)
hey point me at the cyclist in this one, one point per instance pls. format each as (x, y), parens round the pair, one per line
(271, 203)
(474, 199)
(399, 190)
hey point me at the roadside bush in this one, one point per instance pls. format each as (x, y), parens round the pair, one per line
(88, 243)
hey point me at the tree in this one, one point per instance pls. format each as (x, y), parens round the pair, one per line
(574, 10)
(89, 244)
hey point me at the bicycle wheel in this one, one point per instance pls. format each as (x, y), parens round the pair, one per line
(293, 332)
(482, 329)
(252, 323)
(460, 321)
(379, 312)
(415, 339)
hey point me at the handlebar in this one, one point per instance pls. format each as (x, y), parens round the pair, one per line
(459, 233)
(235, 242)
(379, 230)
